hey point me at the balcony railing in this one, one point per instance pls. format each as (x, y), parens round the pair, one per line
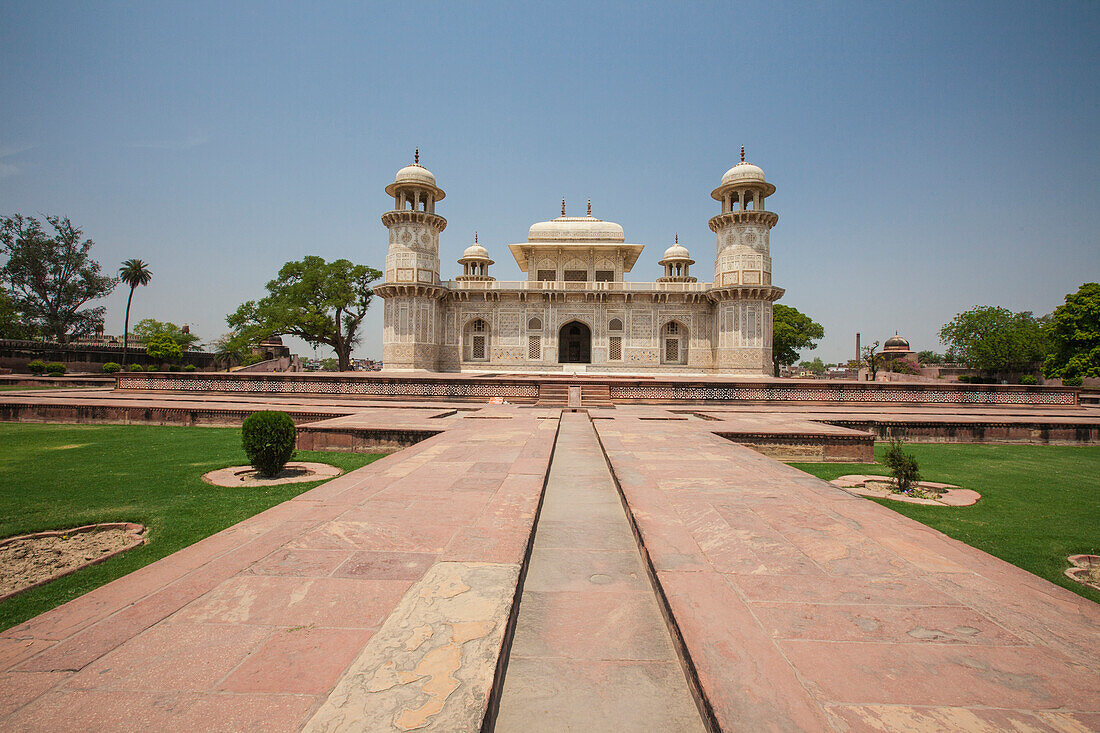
(570, 285)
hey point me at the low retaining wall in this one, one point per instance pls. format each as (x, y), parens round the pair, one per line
(527, 389)
(1039, 433)
(808, 448)
(118, 415)
(359, 440)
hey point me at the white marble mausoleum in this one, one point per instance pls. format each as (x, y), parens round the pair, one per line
(576, 307)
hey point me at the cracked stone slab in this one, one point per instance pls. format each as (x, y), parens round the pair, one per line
(431, 665)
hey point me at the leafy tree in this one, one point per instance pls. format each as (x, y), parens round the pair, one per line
(816, 366)
(929, 357)
(146, 328)
(996, 339)
(321, 302)
(1074, 333)
(229, 349)
(792, 331)
(330, 365)
(52, 277)
(12, 324)
(871, 359)
(133, 273)
(163, 347)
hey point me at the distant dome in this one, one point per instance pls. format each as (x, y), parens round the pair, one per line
(677, 252)
(895, 343)
(744, 173)
(415, 173)
(475, 252)
(576, 229)
(272, 341)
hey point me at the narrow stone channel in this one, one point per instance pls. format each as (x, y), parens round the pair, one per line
(591, 648)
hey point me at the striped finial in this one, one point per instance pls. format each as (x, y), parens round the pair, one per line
(742, 153)
(416, 156)
(590, 207)
(563, 206)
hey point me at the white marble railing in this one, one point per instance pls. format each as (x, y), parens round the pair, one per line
(672, 287)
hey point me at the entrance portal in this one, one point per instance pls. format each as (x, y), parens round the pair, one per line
(574, 344)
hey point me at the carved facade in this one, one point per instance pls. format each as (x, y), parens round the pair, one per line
(575, 307)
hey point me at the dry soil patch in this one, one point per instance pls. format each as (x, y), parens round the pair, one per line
(880, 487)
(30, 560)
(244, 476)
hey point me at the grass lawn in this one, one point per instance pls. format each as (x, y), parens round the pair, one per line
(1039, 503)
(57, 476)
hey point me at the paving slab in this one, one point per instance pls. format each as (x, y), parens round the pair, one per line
(806, 608)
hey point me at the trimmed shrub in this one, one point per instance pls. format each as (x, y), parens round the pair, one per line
(55, 369)
(37, 367)
(112, 367)
(1029, 379)
(964, 378)
(268, 439)
(190, 368)
(1073, 381)
(153, 368)
(137, 368)
(903, 466)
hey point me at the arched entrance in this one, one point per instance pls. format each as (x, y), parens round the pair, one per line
(575, 343)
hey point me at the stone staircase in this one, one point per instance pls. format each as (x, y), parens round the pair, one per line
(556, 394)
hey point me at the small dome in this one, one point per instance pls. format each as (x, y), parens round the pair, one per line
(896, 343)
(677, 252)
(415, 173)
(744, 173)
(475, 252)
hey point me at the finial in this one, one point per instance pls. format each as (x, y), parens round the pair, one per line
(742, 153)
(590, 207)
(677, 239)
(563, 206)
(475, 236)
(416, 156)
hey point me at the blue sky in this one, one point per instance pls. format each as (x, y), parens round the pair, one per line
(928, 157)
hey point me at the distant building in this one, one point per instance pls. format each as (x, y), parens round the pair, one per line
(575, 307)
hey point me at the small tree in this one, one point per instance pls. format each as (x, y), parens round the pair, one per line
(51, 278)
(903, 466)
(162, 348)
(146, 328)
(133, 273)
(871, 359)
(268, 438)
(792, 331)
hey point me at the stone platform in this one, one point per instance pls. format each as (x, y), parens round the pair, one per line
(414, 593)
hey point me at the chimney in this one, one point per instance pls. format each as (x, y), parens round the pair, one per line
(857, 347)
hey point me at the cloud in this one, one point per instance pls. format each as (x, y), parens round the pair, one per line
(186, 144)
(7, 169)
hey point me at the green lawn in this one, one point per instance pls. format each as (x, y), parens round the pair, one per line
(57, 476)
(1039, 503)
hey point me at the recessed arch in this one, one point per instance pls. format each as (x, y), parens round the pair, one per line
(476, 340)
(575, 343)
(674, 342)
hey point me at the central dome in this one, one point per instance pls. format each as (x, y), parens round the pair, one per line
(576, 229)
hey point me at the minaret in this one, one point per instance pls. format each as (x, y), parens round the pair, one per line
(743, 272)
(412, 289)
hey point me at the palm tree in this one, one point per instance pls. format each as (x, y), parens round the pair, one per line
(133, 273)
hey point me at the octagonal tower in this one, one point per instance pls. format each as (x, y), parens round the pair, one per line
(412, 288)
(743, 290)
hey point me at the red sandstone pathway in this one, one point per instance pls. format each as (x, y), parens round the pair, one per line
(378, 601)
(805, 608)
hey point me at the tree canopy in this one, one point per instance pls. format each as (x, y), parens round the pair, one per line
(995, 339)
(51, 278)
(133, 272)
(147, 328)
(792, 331)
(321, 302)
(1074, 334)
(162, 347)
